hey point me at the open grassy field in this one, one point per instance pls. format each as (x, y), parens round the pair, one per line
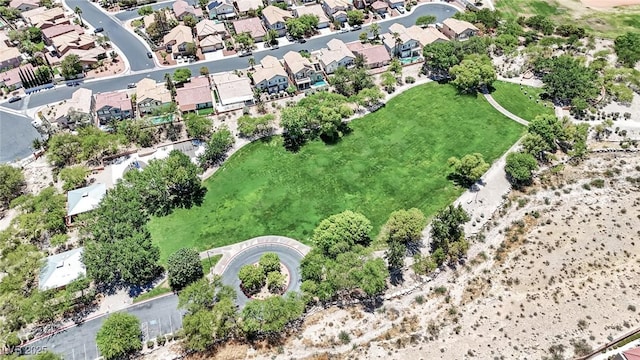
(606, 23)
(394, 158)
(517, 102)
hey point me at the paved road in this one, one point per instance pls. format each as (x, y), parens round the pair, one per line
(132, 14)
(16, 135)
(157, 317)
(289, 257)
(133, 49)
(441, 11)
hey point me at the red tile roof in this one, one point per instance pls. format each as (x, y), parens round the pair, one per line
(195, 92)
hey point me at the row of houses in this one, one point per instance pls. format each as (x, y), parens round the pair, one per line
(60, 36)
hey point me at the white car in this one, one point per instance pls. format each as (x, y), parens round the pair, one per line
(343, 30)
(401, 9)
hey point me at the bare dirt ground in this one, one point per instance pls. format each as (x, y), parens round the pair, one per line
(559, 265)
(607, 4)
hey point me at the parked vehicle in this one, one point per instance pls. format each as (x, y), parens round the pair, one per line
(304, 52)
(149, 55)
(98, 30)
(401, 9)
(289, 37)
(302, 40)
(131, 86)
(245, 53)
(73, 83)
(274, 47)
(356, 27)
(14, 99)
(343, 30)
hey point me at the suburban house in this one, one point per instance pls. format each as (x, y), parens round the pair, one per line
(61, 269)
(458, 29)
(178, 38)
(70, 113)
(275, 19)
(11, 78)
(333, 6)
(43, 18)
(151, 95)
(194, 95)
(72, 40)
(221, 9)
(380, 7)
(182, 8)
(253, 26)
(51, 32)
(270, 76)
(82, 200)
(10, 57)
(24, 5)
(340, 16)
(244, 6)
(150, 19)
(88, 57)
(301, 71)
(394, 4)
(232, 90)
(335, 55)
(211, 35)
(375, 56)
(315, 9)
(411, 40)
(111, 106)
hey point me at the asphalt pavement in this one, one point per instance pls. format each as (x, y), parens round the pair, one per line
(157, 317)
(133, 48)
(288, 256)
(440, 11)
(16, 136)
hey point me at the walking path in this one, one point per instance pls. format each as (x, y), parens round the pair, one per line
(232, 251)
(504, 111)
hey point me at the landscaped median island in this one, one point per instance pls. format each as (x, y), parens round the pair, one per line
(394, 158)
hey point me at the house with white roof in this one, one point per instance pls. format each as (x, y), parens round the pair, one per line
(60, 270)
(232, 89)
(335, 55)
(270, 76)
(82, 200)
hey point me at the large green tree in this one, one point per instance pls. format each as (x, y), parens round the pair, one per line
(355, 17)
(566, 79)
(439, 57)
(339, 233)
(275, 282)
(271, 315)
(250, 127)
(119, 336)
(405, 226)
(627, 47)
(270, 262)
(183, 268)
(447, 232)
(181, 75)
(519, 168)
(425, 20)
(473, 73)
(74, 177)
(252, 278)
(71, 66)
(220, 142)
(198, 126)
(468, 169)
(11, 183)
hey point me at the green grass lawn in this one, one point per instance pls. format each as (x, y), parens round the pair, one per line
(394, 158)
(515, 101)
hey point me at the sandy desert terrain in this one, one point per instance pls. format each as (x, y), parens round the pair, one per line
(607, 4)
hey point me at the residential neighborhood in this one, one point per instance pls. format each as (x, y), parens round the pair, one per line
(319, 179)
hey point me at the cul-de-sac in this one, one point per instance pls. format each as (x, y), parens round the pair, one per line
(320, 179)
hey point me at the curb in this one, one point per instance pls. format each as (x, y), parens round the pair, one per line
(91, 318)
(252, 247)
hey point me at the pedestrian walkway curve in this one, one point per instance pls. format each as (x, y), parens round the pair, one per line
(504, 111)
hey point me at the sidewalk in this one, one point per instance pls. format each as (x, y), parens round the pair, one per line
(229, 252)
